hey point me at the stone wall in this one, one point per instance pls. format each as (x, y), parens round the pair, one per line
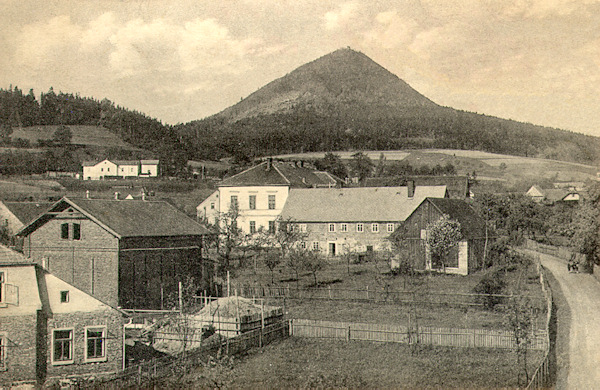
(19, 334)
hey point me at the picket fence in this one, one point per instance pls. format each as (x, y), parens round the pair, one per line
(449, 337)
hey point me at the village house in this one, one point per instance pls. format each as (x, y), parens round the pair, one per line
(260, 193)
(359, 219)
(15, 215)
(459, 187)
(127, 253)
(553, 195)
(466, 257)
(50, 329)
(93, 170)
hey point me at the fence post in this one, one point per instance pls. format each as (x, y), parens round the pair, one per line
(348, 334)
(474, 338)
(139, 376)
(329, 289)
(367, 293)
(291, 330)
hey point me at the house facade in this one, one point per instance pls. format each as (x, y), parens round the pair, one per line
(553, 195)
(260, 193)
(466, 257)
(119, 169)
(50, 329)
(360, 219)
(208, 210)
(127, 253)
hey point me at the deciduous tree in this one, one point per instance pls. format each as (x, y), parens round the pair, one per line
(442, 235)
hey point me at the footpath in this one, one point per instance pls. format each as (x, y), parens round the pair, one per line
(582, 292)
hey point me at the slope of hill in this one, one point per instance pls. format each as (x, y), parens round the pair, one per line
(345, 101)
(85, 135)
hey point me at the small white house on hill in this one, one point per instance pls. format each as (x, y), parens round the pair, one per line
(93, 170)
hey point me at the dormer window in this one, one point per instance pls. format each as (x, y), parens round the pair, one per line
(64, 296)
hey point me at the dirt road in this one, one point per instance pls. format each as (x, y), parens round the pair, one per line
(582, 292)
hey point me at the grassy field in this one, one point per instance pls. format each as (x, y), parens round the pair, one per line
(82, 135)
(298, 363)
(523, 281)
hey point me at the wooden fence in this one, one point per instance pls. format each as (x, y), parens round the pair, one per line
(140, 375)
(372, 295)
(449, 337)
(544, 375)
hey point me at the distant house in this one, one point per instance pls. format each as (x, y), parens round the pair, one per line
(260, 192)
(208, 210)
(127, 253)
(553, 195)
(459, 187)
(51, 329)
(467, 256)
(93, 170)
(358, 219)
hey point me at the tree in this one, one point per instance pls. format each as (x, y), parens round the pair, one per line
(380, 168)
(586, 223)
(333, 164)
(361, 165)
(5, 132)
(313, 262)
(180, 323)
(442, 235)
(288, 235)
(229, 236)
(520, 322)
(62, 136)
(272, 259)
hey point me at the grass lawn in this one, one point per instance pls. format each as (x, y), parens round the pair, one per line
(313, 363)
(336, 276)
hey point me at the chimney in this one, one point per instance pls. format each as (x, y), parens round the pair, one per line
(269, 163)
(88, 195)
(411, 188)
(117, 196)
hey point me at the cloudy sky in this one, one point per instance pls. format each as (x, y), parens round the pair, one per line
(531, 60)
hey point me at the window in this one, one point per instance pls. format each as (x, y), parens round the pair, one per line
(64, 296)
(62, 346)
(390, 227)
(101, 169)
(2, 352)
(360, 227)
(122, 169)
(271, 227)
(375, 228)
(331, 228)
(76, 231)
(212, 205)
(302, 228)
(303, 245)
(252, 227)
(315, 245)
(107, 169)
(64, 231)
(252, 202)
(271, 202)
(95, 343)
(344, 227)
(234, 201)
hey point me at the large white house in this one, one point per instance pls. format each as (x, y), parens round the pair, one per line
(119, 168)
(260, 193)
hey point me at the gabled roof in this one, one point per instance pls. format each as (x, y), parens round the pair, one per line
(472, 226)
(126, 162)
(127, 218)
(280, 173)
(27, 211)
(458, 186)
(150, 162)
(359, 204)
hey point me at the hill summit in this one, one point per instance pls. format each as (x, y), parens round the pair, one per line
(346, 101)
(345, 78)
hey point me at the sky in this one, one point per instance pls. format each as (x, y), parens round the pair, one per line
(535, 61)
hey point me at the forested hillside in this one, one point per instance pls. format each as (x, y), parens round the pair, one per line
(345, 101)
(19, 110)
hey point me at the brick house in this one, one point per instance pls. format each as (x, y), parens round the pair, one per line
(467, 256)
(358, 219)
(127, 253)
(15, 215)
(50, 329)
(260, 193)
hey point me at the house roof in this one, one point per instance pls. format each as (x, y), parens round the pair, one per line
(368, 204)
(279, 173)
(126, 162)
(472, 226)
(127, 218)
(10, 256)
(150, 162)
(89, 163)
(458, 186)
(27, 211)
(550, 194)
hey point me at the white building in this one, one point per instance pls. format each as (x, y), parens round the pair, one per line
(119, 168)
(260, 193)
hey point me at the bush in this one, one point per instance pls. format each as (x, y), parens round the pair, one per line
(493, 283)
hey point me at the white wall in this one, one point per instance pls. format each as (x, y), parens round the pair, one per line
(262, 214)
